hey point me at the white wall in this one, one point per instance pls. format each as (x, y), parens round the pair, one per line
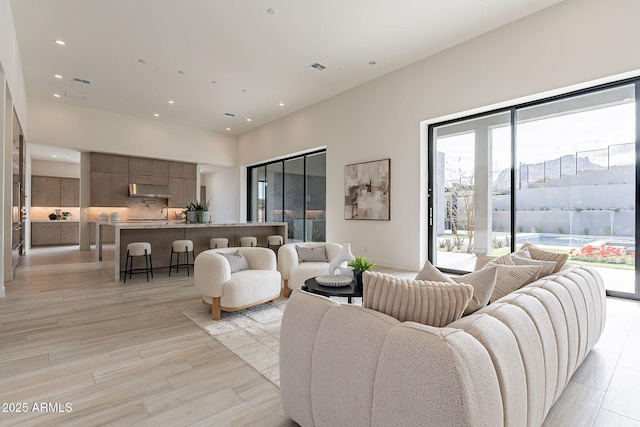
(223, 188)
(570, 45)
(11, 63)
(65, 125)
(50, 168)
(12, 96)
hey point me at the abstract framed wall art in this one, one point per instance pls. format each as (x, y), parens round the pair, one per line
(367, 190)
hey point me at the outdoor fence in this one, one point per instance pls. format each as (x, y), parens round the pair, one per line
(591, 160)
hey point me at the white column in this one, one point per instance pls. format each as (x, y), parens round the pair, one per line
(482, 203)
(85, 201)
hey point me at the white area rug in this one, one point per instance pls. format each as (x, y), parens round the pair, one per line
(253, 334)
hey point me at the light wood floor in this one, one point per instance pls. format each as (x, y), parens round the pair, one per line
(125, 354)
(119, 354)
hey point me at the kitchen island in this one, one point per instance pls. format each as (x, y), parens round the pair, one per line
(115, 236)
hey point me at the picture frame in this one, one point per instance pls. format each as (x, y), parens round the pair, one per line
(367, 190)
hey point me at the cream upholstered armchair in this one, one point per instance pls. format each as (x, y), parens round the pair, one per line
(295, 269)
(231, 279)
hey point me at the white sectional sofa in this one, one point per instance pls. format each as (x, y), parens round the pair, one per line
(504, 365)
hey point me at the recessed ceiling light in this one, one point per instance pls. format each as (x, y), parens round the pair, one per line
(171, 101)
(282, 104)
(57, 76)
(372, 62)
(156, 115)
(54, 156)
(228, 128)
(248, 120)
(60, 42)
(272, 11)
(57, 95)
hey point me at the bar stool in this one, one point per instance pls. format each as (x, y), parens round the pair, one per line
(275, 240)
(135, 249)
(248, 241)
(218, 242)
(179, 247)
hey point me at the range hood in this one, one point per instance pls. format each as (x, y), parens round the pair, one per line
(149, 191)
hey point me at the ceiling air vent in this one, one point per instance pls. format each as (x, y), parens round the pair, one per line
(78, 96)
(230, 115)
(80, 81)
(317, 67)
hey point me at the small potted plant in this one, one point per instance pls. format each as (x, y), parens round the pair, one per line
(190, 211)
(198, 211)
(360, 265)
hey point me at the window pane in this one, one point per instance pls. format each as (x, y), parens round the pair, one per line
(471, 174)
(274, 192)
(257, 195)
(577, 181)
(294, 198)
(316, 197)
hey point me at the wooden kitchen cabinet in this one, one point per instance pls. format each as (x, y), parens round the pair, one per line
(38, 191)
(138, 166)
(119, 164)
(38, 233)
(182, 192)
(118, 189)
(55, 192)
(159, 168)
(69, 192)
(69, 233)
(100, 188)
(111, 175)
(55, 233)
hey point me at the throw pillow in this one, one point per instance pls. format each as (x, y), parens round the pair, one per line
(512, 277)
(315, 254)
(430, 303)
(542, 255)
(430, 273)
(483, 282)
(237, 261)
(547, 266)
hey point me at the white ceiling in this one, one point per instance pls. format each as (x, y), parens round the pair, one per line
(212, 57)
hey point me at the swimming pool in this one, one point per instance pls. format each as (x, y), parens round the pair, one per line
(556, 240)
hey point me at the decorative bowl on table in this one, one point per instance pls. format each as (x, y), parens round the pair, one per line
(334, 280)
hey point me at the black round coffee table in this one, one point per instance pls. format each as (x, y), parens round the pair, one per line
(349, 291)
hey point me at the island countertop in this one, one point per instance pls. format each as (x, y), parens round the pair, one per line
(114, 236)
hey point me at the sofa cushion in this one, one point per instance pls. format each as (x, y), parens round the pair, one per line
(542, 255)
(430, 303)
(483, 282)
(547, 267)
(512, 277)
(430, 273)
(315, 254)
(237, 261)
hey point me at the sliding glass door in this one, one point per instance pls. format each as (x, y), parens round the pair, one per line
(559, 173)
(292, 190)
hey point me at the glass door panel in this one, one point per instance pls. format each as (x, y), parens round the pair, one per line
(316, 191)
(576, 181)
(294, 198)
(274, 194)
(469, 174)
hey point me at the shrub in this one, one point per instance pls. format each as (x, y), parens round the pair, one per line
(604, 254)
